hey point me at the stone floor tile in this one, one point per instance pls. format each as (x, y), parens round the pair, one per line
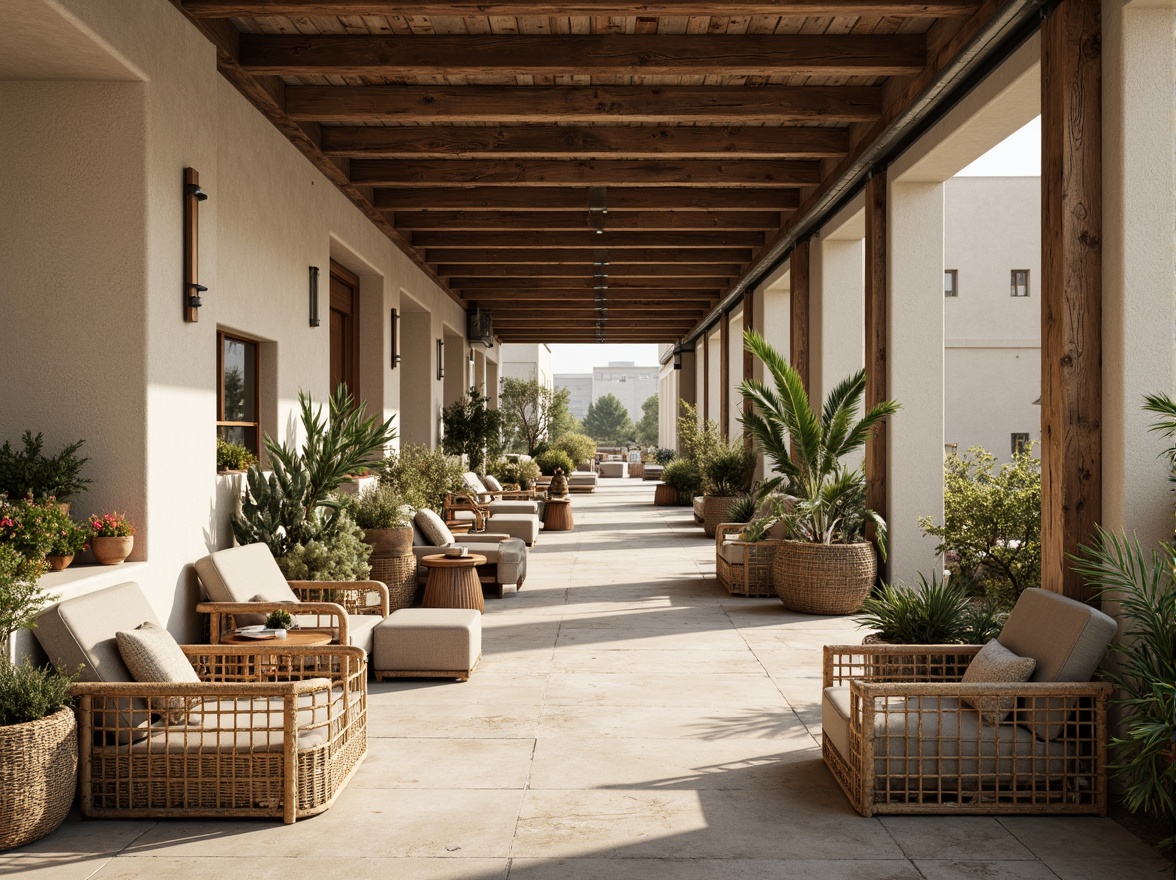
(980, 869)
(59, 867)
(665, 662)
(647, 689)
(1113, 866)
(710, 869)
(668, 722)
(944, 837)
(1075, 837)
(278, 868)
(493, 688)
(432, 720)
(445, 763)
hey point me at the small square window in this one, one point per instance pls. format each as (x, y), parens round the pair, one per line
(1019, 443)
(951, 280)
(1020, 282)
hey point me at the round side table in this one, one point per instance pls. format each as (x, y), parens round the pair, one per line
(308, 637)
(557, 515)
(453, 581)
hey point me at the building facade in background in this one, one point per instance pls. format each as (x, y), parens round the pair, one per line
(630, 384)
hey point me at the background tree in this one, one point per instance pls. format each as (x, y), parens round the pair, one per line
(608, 420)
(647, 428)
(562, 421)
(532, 413)
(472, 429)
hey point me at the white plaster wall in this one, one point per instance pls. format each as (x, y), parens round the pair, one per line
(700, 377)
(735, 374)
(526, 361)
(1139, 253)
(990, 393)
(714, 379)
(838, 325)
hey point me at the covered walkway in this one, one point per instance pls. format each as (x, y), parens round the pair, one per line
(629, 720)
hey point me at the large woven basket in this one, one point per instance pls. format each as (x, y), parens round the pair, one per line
(824, 578)
(399, 573)
(38, 776)
(716, 509)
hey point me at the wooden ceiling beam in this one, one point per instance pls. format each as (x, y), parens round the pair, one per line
(545, 316)
(584, 255)
(587, 282)
(654, 298)
(593, 55)
(533, 105)
(508, 198)
(612, 8)
(614, 221)
(664, 273)
(581, 142)
(616, 243)
(725, 173)
(556, 334)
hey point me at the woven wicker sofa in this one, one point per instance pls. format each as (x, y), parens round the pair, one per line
(267, 731)
(744, 568)
(899, 737)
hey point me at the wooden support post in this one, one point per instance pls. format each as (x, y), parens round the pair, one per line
(877, 339)
(1071, 290)
(799, 312)
(705, 340)
(725, 373)
(748, 358)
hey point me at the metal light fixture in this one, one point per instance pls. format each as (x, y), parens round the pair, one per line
(677, 358)
(395, 338)
(440, 358)
(193, 196)
(314, 311)
(471, 356)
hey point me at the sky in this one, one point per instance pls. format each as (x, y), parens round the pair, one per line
(1019, 155)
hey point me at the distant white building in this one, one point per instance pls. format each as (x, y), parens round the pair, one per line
(630, 384)
(526, 361)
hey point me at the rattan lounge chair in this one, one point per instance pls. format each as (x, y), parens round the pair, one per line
(900, 736)
(266, 731)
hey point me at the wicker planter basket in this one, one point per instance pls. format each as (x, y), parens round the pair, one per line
(38, 777)
(716, 509)
(399, 573)
(824, 578)
(637, 469)
(389, 542)
(665, 496)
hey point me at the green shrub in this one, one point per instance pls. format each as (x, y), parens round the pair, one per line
(684, 476)
(664, 456)
(28, 693)
(382, 508)
(579, 447)
(991, 530)
(31, 472)
(552, 459)
(337, 553)
(520, 473)
(728, 469)
(233, 456)
(697, 443)
(930, 613)
(422, 476)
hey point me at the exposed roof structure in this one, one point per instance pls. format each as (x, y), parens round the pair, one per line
(595, 170)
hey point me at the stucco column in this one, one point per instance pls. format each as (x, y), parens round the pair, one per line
(838, 317)
(915, 362)
(1139, 252)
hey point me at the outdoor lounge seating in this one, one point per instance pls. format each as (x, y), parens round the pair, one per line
(582, 481)
(465, 508)
(614, 469)
(744, 568)
(244, 583)
(506, 556)
(902, 734)
(261, 730)
(493, 501)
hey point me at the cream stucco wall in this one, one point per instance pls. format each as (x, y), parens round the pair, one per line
(92, 187)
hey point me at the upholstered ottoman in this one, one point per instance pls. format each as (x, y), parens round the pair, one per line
(427, 643)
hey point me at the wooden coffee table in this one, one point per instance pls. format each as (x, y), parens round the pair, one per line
(557, 515)
(453, 582)
(309, 637)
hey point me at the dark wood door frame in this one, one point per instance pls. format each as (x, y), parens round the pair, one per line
(344, 328)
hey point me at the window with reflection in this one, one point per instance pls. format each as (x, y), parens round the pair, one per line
(237, 391)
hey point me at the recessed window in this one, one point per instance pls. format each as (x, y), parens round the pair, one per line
(1020, 282)
(1019, 443)
(237, 419)
(951, 282)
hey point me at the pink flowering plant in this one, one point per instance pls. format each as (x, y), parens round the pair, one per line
(110, 525)
(28, 526)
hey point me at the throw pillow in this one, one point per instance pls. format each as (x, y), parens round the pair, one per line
(152, 654)
(491, 483)
(996, 664)
(433, 527)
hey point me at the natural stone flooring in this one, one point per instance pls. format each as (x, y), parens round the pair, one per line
(629, 720)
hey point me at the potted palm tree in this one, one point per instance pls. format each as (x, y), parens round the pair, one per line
(826, 565)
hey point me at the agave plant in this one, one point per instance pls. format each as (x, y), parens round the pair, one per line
(828, 498)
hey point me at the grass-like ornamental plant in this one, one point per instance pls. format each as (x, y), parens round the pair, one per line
(806, 448)
(382, 508)
(233, 456)
(928, 613)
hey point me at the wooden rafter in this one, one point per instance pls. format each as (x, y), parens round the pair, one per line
(584, 255)
(508, 198)
(588, 239)
(588, 281)
(595, 55)
(665, 273)
(552, 221)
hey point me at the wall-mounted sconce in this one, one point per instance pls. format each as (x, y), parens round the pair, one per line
(395, 338)
(440, 358)
(471, 356)
(193, 196)
(314, 313)
(677, 358)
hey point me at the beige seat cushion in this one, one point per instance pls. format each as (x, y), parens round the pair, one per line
(152, 654)
(1067, 638)
(943, 741)
(992, 665)
(732, 552)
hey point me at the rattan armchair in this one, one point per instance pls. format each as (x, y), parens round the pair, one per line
(900, 733)
(744, 568)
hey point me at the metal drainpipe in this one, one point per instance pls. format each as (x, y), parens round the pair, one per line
(1009, 27)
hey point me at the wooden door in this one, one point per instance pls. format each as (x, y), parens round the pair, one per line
(344, 330)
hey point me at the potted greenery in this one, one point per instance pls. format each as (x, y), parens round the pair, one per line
(472, 429)
(386, 521)
(423, 476)
(29, 471)
(112, 537)
(933, 612)
(232, 457)
(826, 566)
(67, 538)
(681, 481)
(726, 475)
(552, 459)
(38, 733)
(580, 448)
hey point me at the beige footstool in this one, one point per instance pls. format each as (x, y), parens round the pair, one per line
(427, 643)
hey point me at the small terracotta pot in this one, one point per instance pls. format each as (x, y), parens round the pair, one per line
(59, 563)
(111, 551)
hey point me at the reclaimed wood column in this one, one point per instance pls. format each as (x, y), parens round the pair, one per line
(798, 306)
(1071, 289)
(877, 335)
(725, 373)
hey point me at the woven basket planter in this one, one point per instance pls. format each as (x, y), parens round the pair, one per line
(399, 573)
(716, 509)
(389, 542)
(665, 496)
(637, 469)
(38, 777)
(824, 578)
